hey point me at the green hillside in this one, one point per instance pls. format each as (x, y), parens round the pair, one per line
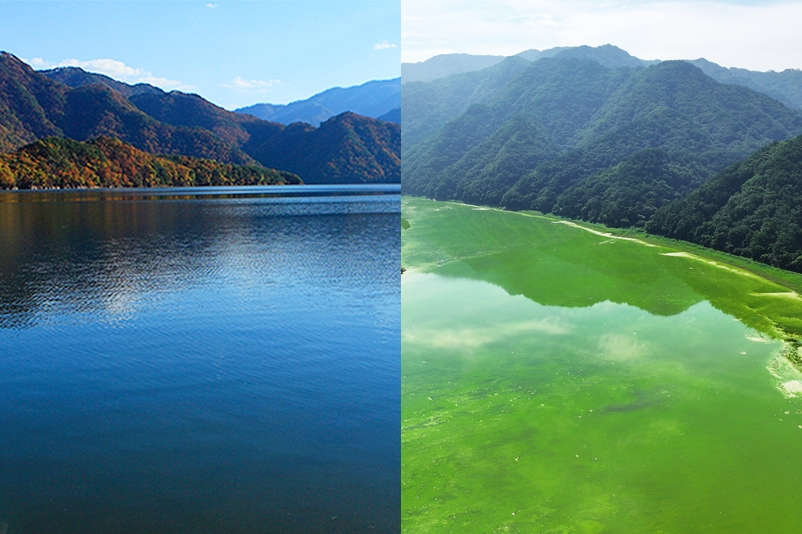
(573, 137)
(426, 107)
(752, 209)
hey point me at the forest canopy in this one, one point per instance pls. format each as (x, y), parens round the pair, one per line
(107, 162)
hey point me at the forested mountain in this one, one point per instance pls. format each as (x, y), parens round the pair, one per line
(628, 194)
(33, 106)
(564, 134)
(598, 135)
(106, 162)
(752, 208)
(347, 148)
(78, 77)
(785, 86)
(29, 104)
(192, 111)
(426, 107)
(372, 99)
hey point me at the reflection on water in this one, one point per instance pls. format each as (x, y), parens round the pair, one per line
(555, 380)
(180, 361)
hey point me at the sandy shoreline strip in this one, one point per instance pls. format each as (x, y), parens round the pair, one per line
(604, 234)
(736, 270)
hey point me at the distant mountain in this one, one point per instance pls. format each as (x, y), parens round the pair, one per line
(34, 106)
(564, 135)
(608, 55)
(534, 54)
(752, 208)
(394, 115)
(445, 65)
(106, 162)
(372, 99)
(785, 86)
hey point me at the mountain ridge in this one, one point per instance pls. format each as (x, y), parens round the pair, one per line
(785, 86)
(372, 99)
(34, 106)
(77, 77)
(444, 65)
(524, 148)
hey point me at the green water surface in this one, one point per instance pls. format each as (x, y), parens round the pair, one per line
(560, 380)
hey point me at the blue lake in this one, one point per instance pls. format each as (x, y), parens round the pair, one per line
(200, 360)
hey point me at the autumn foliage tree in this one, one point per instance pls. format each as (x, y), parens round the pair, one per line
(107, 162)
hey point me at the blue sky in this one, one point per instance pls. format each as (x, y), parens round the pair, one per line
(753, 34)
(232, 53)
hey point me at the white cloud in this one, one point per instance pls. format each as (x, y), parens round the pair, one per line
(477, 337)
(212, 6)
(107, 66)
(620, 347)
(757, 36)
(37, 63)
(166, 83)
(258, 86)
(113, 68)
(384, 45)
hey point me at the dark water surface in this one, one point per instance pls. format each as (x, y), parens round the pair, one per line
(200, 360)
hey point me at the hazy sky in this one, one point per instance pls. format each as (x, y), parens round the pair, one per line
(757, 35)
(232, 53)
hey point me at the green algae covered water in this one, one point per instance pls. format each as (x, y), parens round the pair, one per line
(555, 379)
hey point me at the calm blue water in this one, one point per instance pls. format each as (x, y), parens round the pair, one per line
(200, 360)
